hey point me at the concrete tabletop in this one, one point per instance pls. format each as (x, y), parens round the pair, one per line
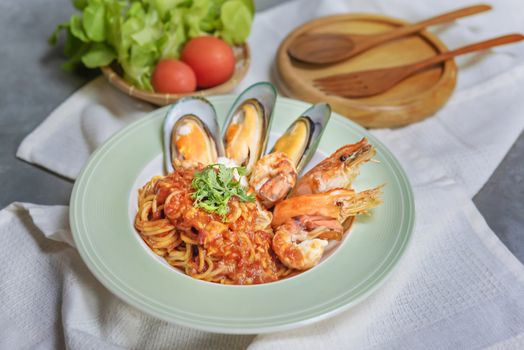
(32, 84)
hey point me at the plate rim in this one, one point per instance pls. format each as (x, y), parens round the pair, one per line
(374, 285)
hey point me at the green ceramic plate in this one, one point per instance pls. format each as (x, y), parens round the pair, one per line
(103, 203)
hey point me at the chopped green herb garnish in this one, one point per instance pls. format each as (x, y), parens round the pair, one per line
(215, 185)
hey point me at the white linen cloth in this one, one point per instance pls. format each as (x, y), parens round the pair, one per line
(456, 287)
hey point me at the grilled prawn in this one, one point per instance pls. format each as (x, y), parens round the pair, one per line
(337, 171)
(303, 224)
(273, 176)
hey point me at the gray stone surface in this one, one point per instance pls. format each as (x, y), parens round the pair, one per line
(501, 200)
(32, 85)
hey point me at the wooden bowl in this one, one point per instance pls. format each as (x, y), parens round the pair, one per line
(413, 99)
(242, 57)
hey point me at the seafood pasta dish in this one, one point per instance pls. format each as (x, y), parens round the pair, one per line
(229, 212)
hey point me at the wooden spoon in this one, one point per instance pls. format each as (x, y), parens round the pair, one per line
(324, 48)
(375, 81)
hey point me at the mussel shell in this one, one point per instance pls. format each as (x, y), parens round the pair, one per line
(199, 112)
(309, 127)
(262, 96)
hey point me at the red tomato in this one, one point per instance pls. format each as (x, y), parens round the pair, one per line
(173, 76)
(211, 59)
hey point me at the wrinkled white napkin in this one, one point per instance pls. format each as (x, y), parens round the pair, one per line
(457, 285)
(64, 141)
(50, 300)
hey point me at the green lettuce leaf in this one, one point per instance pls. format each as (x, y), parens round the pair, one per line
(194, 16)
(163, 7)
(74, 48)
(80, 4)
(53, 39)
(114, 22)
(93, 21)
(250, 4)
(236, 20)
(98, 55)
(174, 36)
(75, 25)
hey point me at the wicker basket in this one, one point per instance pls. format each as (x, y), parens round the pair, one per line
(242, 57)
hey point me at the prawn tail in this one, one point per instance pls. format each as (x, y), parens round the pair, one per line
(362, 202)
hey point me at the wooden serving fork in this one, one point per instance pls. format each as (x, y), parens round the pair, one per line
(375, 81)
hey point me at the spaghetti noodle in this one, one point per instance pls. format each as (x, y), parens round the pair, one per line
(236, 250)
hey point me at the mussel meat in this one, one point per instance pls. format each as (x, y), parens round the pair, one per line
(191, 132)
(246, 129)
(300, 141)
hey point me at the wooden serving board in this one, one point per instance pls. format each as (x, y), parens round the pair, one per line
(414, 99)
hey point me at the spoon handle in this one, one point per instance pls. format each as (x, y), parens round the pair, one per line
(481, 45)
(443, 18)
